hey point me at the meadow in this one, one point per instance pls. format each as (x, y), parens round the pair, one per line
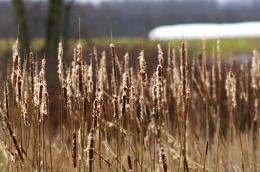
(130, 105)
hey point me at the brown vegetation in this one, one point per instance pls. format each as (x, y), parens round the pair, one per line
(188, 115)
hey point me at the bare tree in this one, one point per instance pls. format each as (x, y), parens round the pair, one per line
(67, 11)
(53, 25)
(21, 20)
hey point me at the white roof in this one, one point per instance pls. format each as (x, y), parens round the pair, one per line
(208, 31)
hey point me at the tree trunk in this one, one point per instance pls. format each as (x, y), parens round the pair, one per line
(67, 11)
(53, 26)
(20, 15)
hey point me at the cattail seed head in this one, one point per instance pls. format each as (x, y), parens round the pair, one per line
(16, 64)
(255, 70)
(32, 71)
(60, 63)
(142, 65)
(6, 100)
(19, 85)
(115, 107)
(90, 150)
(230, 87)
(114, 68)
(74, 148)
(162, 159)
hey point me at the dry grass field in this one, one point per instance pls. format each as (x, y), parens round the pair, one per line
(118, 114)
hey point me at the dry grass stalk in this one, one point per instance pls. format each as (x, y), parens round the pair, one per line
(90, 151)
(163, 160)
(12, 135)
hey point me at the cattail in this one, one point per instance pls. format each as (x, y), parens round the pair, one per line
(184, 71)
(124, 101)
(24, 109)
(155, 100)
(125, 94)
(98, 104)
(90, 151)
(42, 93)
(85, 104)
(6, 100)
(65, 93)
(100, 79)
(19, 84)
(142, 65)
(32, 71)
(36, 86)
(255, 70)
(16, 64)
(74, 148)
(90, 78)
(177, 83)
(142, 110)
(205, 158)
(115, 107)
(173, 58)
(44, 102)
(69, 93)
(126, 63)
(129, 163)
(213, 82)
(255, 135)
(186, 100)
(169, 63)
(96, 58)
(204, 75)
(94, 114)
(36, 92)
(218, 61)
(162, 159)
(230, 87)
(160, 55)
(80, 54)
(74, 71)
(114, 69)
(80, 64)
(204, 56)
(42, 72)
(103, 67)
(132, 99)
(159, 76)
(2, 111)
(60, 63)
(143, 78)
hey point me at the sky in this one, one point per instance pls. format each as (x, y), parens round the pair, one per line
(220, 1)
(99, 1)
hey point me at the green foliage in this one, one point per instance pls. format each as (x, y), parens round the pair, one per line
(228, 46)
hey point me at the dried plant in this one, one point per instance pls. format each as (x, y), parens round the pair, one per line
(120, 114)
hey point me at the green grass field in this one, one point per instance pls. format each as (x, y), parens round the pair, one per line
(229, 47)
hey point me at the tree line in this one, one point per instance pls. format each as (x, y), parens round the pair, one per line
(57, 19)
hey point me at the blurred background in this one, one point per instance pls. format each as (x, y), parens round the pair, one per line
(42, 23)
(126, 18)
(54, 19)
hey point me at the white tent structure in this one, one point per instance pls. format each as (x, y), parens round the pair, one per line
(208, 31)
